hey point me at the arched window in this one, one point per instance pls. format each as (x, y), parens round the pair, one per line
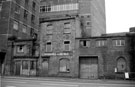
(64, 65)
(121, 64)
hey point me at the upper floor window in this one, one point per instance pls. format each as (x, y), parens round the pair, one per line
(88, 23)
(119, 42)
(49, 29)
(17, 1)
(17, 9)
(34, 5)
(45, 8)
(64, 65)
(20, 48)
(25, 14)
(84, 43)
(24, 29)
(0, 8)
(26, 2)
(33, 18)
(67, 27)
(63, 7)
(49, 37)
(15, 25)
(48, 47)
(66, 45)
(49, 26)
(101, 43)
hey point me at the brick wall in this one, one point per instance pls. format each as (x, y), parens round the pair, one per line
(107, 55)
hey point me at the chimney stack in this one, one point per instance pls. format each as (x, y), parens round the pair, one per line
(132, 29)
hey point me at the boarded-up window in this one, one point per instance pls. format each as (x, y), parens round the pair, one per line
(121, 64)
(32, 64)
(67, 27)
(64, 65)
(49, 29)
(25, 64)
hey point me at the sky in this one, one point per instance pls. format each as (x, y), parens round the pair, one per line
(120, 15)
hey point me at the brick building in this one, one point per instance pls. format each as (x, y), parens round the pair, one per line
(91, 13)
(25, 57)
(106, 56)
(61, 21)
(18, 19)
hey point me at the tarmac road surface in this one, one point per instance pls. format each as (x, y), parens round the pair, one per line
(18, 82)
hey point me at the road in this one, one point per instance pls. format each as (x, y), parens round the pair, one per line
(6, 82)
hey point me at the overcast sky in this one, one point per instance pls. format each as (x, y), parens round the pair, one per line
(120, 15)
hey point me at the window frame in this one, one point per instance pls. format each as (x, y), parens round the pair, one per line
(17, 9)
(49, 28)
(67, 27)
(118, 61)
(66, 68)
(86, 42)
(15, 25)
(69, 45)
(33, 65)
(101, 43)
(119, 42)
(24, 27)
(34, 5)
(48, 45)
(26, 2)
(25, 15)
(46, 8)
(33, 18)
(25, 64)
(18, 49)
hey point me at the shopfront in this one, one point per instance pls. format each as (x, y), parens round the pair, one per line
(25, 67)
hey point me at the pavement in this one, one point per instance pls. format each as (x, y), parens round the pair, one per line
(63, 79)
(17, 81)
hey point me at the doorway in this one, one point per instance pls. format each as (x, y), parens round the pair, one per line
(45, 66)
(88, 67)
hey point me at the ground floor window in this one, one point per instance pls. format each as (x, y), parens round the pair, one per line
(25, 67)
(32, 64)
(64, 65)
(25, 64)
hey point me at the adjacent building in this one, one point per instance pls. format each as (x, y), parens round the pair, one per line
(108, 56)
(19, 19)
(74, 43)
(61, 22)
(90, 14)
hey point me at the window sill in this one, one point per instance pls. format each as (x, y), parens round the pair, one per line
(120, 72)
(66, 32)
(64, 71)
(67, 51)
